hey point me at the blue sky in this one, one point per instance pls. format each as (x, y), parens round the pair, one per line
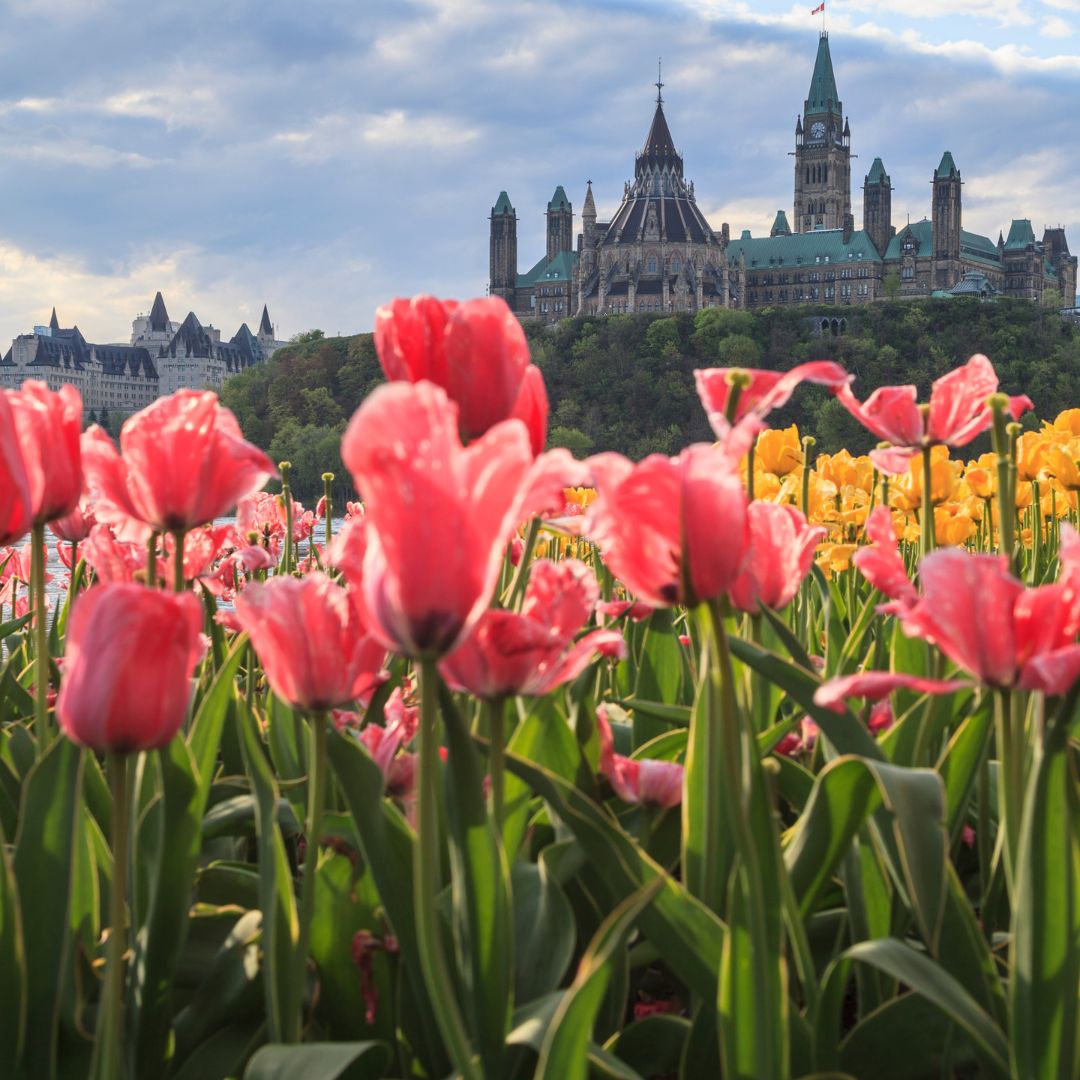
(326, 157)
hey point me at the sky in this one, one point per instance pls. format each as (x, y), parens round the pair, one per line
(323, 158)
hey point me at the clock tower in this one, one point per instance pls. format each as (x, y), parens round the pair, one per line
(822, 152)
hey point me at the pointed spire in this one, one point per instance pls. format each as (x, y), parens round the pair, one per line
(589, 207)
(823, 82)
(947, 170)
(877, 173)
(54, 323)
(559, 201)
(159, 317)
(659, 81)
(264, 325)
(502, 205)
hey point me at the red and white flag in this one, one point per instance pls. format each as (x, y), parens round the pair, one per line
(818, 10)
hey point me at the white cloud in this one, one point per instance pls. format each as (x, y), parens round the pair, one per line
(189, 104)
(1055, 27)
(80, 152)
(345, 135)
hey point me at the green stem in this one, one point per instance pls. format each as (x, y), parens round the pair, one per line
(426, 876)
(313, 831)
(328, 512)
(286, 496)
(178, 561)
(1011, 764)
(496, 709)
(928, 537)
(151, 561)
(109, 1043)
(1036, 531)
(750, 470)
(41, 637)
(517, 590)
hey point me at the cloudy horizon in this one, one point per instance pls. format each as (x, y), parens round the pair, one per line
(322, 161)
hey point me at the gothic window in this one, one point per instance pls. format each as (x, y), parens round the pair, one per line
(907, 273)
(651, 264)
(675, 265)
(825, 173)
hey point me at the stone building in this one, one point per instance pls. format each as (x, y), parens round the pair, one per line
(659, 253)
(161, 357)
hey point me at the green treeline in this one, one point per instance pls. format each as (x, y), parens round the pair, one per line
(626, 382)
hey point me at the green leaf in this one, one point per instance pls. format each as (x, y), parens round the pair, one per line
(1045, 950)
(563, 1055)
(660, 671)
(42, 867)
(685, 932)
(387, 844)
(652, 1046)
(159, 942)
(543, 930)
(841, 729)
(959, 763)
(13, 965)
(277, 899)
(320, 1061)
(480, 890)
(924, 977)
(204, 735)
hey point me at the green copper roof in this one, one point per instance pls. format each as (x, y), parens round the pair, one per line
(877, 173)
(559, 201)
(502, 204)
(803, 249)
(823, 84)
(947, 168)
(780, 226)
(561, 268)
(1020, 235)
(923, 231)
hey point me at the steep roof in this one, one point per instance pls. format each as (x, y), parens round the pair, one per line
(559, 201)
(947, 169)
(1020, 235)
(159, 317)
(502, 205)
(823, 82)
(659, 142)
(780, 225)
(54, 323)
(877, 173)
(561, 268)
(803, 249)
(264, 325)
(922, 231)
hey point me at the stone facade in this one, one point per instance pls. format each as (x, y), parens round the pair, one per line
(162, 356)
(658, 252)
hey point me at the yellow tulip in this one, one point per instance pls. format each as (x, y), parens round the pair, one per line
(1068, 422)
(778, 450)
(1030, 455)
(906, 490)
(833, 558)
(1063, 464)
(953, 525)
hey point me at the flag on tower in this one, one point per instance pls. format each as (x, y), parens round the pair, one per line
(820, 8)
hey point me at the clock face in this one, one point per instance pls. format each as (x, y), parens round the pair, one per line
(817, 130)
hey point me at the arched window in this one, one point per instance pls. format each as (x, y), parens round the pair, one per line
(650, 266)
(825, 173)
(675, 264)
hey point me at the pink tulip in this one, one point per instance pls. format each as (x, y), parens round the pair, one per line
(476, 351)
(768, 390)
(672, 530)
(48, 424)
(183, 462)
(15, 505)
(533, 652)
(383, 744)
(881, 563)
(877, 686)
(638, 780)
(957, 413)
(310, 640)
(988, 623)
(75, 526)
(112, 560)
(438, 516)
(531, 407)
(779, 556)
(616, 609)
(131, 653)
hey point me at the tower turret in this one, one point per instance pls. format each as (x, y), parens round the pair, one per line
(822, 152)
(560, 224)
(946, 223)
(503, 256)
(877, 206)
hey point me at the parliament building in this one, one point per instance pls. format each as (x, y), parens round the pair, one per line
(659, 253)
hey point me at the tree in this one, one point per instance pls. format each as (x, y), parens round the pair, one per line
(891, 284)
(306, 336)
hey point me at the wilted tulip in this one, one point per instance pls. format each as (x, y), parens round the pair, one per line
(638, 780)
(131, 652)
(779, 556)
